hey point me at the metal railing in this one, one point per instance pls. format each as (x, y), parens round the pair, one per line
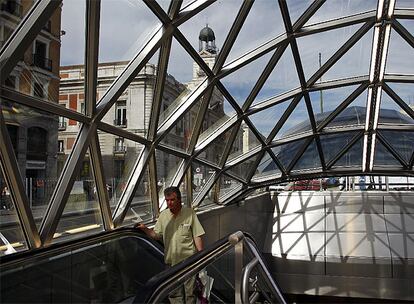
(246, 290)
(42, 62)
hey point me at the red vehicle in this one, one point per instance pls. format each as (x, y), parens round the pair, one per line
(308, 184)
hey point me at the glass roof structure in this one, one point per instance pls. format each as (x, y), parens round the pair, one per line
(105, 103)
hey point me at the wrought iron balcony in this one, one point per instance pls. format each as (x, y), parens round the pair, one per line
(120, 122)
(42, 62)
(12, 7)
(120, 149)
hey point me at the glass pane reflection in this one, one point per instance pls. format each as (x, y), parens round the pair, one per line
(11, 234)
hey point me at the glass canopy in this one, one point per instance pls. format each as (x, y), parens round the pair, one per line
(105, 103)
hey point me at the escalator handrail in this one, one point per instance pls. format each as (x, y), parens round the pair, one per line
(39, 254)
(166, 281)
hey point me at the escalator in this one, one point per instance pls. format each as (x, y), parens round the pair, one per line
(125, 266)
(236, 270)
(107, 268)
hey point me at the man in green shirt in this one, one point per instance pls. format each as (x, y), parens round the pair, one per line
(180, 231)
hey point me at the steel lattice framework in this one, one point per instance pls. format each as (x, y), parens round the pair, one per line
(371, 133)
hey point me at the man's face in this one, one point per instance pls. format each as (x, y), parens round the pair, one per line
(173, 203)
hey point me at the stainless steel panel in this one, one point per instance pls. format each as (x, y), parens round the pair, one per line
(299, 222)
(287, 265)
(228, 224)
(257, 224)
(358, 202)
(402, 245)
(403, 268)
(262, 203)
(402, 223)
(359, 267)
(299, 246)
(354, 244)
(356, 222)
(399, 203)
(379, 288)
(304, 201)
(211, 225)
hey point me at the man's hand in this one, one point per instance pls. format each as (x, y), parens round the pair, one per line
(148, 231)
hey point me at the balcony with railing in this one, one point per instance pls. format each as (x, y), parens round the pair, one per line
(42, 62)
(12, 7)
(120, 149)
(62, 125)
(122, 123)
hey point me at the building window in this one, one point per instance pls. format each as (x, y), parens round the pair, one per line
(82, 107)
(62, 123)
(40, 56)
(38, 90)
(120, 114)
(61, 146)
(119, 145)
(36, 143)
(11, 82)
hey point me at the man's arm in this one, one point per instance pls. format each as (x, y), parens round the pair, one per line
(198, 241)
(148, 231)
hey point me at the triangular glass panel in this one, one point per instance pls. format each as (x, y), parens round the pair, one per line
(297, 8)
(267, 169)
(355, 62)
(225, 187)
(167, 168)
(401, 141)
(352, 158)
(285, 153)
(404, 4)
(244, 142)
(298, 122)
(184, 76)
(404, 91)
(11, 240)
(309, 160)
(119, 157)
(131, 112)
(326, 101)
(282, 79)
(42, 148)
(353, 115)
(201, 175)
(241, 82)
(14, 12)
(208, 29)
(383, 157)
(124, 16)
(243, 169)
(82, 200)
(141, 208)
(263, 23)
(334, 9)
(317, 48)
(332, 144)
(164, 4)
(408, 24)
(219, 111)
(392, 113)
(214, 151)
(265, 120)
(180, 135)
(400, 55)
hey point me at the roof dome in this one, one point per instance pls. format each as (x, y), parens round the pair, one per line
(207, 34)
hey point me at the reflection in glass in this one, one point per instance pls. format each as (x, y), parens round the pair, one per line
(267, 168)
(36, 141)
(11, 235)
(402, 142)
(383, 157)
(244, 142)
(286, 153)
(332, 144)
(352, 158)
(201, 175)
(392, 113)
(309, 160)
(140, 209)
(400, 54)
(82, 214)
(226, 186)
